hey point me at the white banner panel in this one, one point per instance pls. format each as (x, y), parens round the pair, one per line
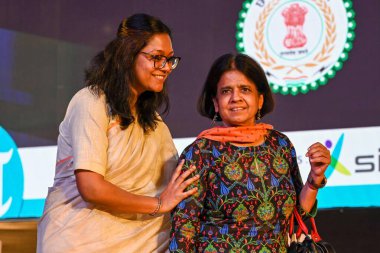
(353, 176)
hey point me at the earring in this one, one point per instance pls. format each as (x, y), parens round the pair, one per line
(258, 114)
(215, 119)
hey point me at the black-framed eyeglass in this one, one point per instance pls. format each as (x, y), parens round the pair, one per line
(160, 61)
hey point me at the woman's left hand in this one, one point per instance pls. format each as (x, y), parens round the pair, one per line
(319, 158)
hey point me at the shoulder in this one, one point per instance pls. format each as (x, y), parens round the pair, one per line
(87, 107)
(198, 147)
(86, 95)
(282, 138)
(87, 100)
(276, 133)
(161, 127)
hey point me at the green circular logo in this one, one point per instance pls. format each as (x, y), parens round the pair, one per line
(301, 44)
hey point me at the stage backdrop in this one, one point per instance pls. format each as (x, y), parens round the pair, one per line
(324, 58)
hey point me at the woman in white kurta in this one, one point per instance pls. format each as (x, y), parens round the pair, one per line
(115, 176)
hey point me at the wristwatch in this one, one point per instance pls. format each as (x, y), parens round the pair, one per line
(315, 186)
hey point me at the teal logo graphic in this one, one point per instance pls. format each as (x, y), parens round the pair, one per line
(335, 165)
(11, 177)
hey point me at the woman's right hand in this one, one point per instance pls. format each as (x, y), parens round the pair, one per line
(175, 191)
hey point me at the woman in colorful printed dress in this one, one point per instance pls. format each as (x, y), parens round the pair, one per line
(249, 178)
(113, 187)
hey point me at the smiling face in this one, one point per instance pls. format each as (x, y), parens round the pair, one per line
(149, 78)
(237, 99)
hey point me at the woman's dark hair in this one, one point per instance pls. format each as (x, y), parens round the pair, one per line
(112, 72)
(248, 67)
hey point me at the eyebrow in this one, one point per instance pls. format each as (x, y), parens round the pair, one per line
(239, 86)
(162, 52)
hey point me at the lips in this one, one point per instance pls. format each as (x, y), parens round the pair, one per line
(160, 77)
(237, 109)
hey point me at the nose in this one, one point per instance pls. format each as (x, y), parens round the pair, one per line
(166, 68)
(235, 96)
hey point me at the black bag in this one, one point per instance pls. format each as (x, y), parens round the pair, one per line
(312, 243)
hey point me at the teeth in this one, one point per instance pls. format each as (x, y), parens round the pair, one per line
(237, 109)
(159, 76)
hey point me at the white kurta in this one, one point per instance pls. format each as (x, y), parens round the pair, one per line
(136, 162)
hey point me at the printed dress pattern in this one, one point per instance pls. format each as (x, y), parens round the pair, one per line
(244, 200)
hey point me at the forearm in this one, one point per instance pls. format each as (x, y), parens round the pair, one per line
(309, 191)
(94, 189)
(116, 199)
(307, 197)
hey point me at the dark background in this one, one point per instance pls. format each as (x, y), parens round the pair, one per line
(55, 39)
(45, 46)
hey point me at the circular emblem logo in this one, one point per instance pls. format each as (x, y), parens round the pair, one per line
(299, 43)
(11, 177)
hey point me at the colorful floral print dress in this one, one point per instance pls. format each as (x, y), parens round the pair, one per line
(244, 200)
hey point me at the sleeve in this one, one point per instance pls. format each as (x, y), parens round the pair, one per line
(298, 184)
(186, 216)
(87, 126)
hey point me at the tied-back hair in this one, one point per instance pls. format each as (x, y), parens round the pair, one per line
(112, 73)
(249, 68)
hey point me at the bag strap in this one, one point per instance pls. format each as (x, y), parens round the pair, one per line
(291, 225)
(314, 232)
(303, 228)
(301, 225)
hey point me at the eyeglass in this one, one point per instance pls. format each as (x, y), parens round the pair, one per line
(160, 61)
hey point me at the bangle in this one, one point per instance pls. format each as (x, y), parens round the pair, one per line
(310, 182)
(159, 203)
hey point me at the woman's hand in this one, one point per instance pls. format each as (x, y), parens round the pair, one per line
(175, 191)
(319, 158)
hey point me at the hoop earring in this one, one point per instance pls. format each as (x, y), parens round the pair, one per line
(258, 115)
